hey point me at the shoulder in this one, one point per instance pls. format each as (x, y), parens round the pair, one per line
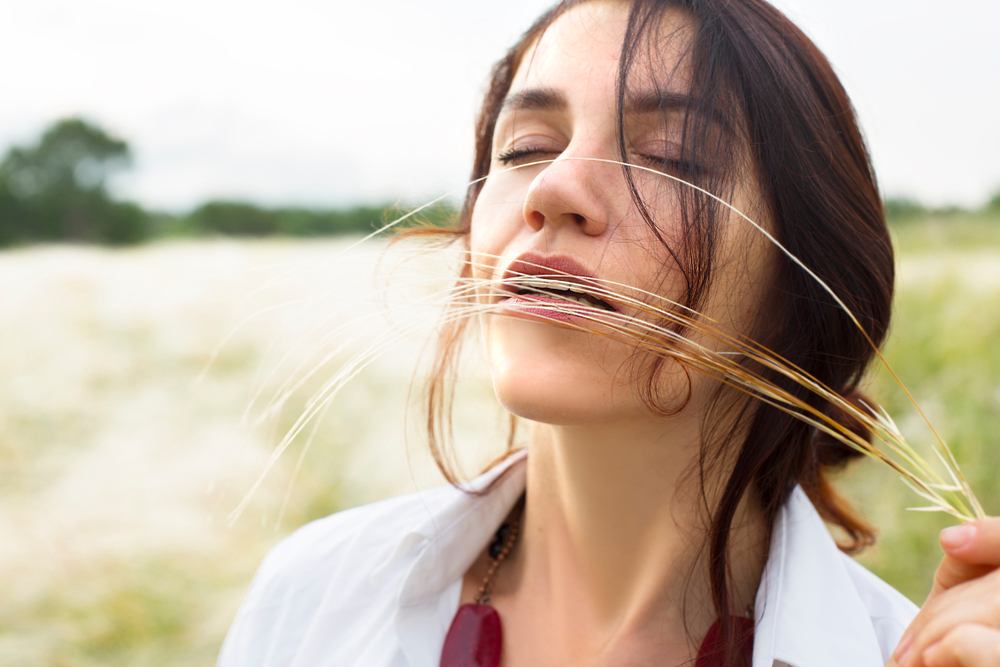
(361, 534)
(343, 569)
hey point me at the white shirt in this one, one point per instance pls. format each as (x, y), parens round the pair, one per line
(378, 586)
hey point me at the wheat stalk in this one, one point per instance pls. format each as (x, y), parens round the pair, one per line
(717, 357)
(721, 362)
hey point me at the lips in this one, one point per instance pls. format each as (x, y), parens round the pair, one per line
(561, 282)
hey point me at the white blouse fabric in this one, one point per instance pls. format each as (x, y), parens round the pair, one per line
(378, 586)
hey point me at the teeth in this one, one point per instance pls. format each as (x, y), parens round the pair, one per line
(565, 297)
(573, 299)
(550, 284)
(554, 288)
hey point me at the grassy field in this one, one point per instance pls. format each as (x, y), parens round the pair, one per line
(124, 445)
(945, 345)
(123, 450)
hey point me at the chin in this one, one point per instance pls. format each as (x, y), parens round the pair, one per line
(556, 403)
(555, 376)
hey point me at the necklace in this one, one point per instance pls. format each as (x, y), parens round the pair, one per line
(475, 636)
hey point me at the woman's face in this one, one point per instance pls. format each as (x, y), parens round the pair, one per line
(577, 216)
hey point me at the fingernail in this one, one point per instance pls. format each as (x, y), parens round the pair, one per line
(903, 650)
(956, 537)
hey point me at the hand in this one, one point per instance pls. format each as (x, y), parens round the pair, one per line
(959, 624)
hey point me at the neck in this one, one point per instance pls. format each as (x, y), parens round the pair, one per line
(614, 531)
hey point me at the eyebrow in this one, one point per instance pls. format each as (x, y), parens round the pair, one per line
(536, 99)
(655, 101)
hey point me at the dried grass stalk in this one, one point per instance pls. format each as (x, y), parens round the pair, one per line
(718, 356)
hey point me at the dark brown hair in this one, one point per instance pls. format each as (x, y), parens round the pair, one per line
(789, 124)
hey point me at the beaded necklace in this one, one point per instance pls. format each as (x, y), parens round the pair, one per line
(475, 637)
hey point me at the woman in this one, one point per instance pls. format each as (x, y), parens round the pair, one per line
(666, 519)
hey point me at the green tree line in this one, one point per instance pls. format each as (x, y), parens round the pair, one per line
(56, 190)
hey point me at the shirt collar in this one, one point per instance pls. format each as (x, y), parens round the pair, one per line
(808, 610)
(456, 533)
(449, 540)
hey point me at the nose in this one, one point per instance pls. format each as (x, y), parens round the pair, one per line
(571, 192)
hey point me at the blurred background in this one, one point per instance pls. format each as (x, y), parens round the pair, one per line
(182, 186)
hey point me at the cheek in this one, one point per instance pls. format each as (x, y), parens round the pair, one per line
(742, 284)
(499, 211)
(492, 239)
(486, 238)
(484, 249)
(482, 242)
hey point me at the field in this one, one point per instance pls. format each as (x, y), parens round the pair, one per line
(944, 346)
(128, 434)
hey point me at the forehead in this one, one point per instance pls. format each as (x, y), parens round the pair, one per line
(582, 48)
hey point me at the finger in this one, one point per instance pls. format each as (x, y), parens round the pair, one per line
(953, 571)
(902, 653)
(975, 602)
(976, 542)
(967, 645)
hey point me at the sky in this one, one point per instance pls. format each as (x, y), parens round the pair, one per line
(340, 102)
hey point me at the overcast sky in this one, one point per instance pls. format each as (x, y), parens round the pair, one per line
(341, 101)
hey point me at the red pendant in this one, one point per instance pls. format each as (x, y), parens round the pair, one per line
(474, 638)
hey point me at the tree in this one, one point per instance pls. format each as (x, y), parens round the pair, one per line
(56, 190)
(221, 217)
(902, 209)
(993, 205)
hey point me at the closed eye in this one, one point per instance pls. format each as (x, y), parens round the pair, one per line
(682, 168)
(525, 155)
